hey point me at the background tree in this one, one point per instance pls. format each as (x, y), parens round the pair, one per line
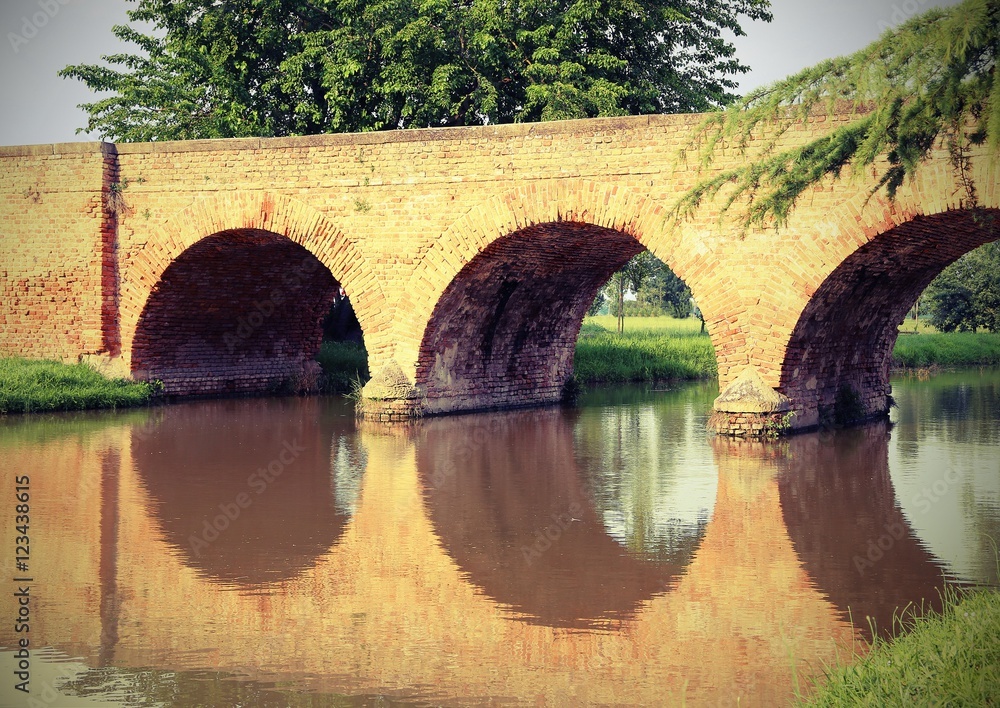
(665, 291)
(233, 68)
(966, 295)
(657, 289)
(630, 278)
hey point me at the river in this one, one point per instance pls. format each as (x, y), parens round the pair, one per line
(275, 552)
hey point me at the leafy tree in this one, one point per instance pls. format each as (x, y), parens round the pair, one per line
(599, 302)
(932, 79)
(666, 291)
(966, 295)
(227, 68)
(630, 277)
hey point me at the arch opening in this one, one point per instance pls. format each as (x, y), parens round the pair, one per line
(504, 331)
(837, 363)
(239, 312)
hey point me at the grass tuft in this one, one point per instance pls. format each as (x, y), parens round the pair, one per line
(946, 658)
(28, 386)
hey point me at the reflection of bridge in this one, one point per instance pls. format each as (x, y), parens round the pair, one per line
(404, 594)
(470, 256)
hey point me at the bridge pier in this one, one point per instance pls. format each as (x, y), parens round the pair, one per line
(749, 408)
(389, 396)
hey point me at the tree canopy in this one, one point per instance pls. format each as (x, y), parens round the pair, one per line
(966, 295)
(932, 79)
(229, 68)
(662, 289)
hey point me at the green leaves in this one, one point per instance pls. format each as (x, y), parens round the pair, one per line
(931, 80)
(291, 67)
(966, 295)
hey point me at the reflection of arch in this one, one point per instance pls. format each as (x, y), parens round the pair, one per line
(500, 297)
(837, 362)
(840, 509)
(506, 499)
(235, 221)
(275, 529)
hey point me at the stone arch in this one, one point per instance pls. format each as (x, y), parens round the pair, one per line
(519, 270)
(878, 257)
(272, 226)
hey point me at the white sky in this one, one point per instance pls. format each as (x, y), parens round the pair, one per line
(39, 107)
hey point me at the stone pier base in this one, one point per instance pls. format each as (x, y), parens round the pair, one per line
(389, 397)
(388, 411)
(749, 408)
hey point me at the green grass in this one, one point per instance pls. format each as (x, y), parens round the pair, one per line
(28, 386)
(914, 351)
(344, 364)
(948, 659)
(663, 325)
(666, 348)
(921, 326)
(651, 349)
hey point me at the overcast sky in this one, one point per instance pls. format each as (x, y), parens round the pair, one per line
(39, 37)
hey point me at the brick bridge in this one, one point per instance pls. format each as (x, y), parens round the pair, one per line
(470, 256)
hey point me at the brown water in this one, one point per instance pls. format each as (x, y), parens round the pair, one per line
(276, 553)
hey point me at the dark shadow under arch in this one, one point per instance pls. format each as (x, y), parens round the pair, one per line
(837, 363)
(503, 333)
(848, 530)
(238, 312)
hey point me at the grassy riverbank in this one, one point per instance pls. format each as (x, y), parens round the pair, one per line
(344, 364)
(664, 348)
(651, 349)
(28, 386)
(956, 349)
(952, 658)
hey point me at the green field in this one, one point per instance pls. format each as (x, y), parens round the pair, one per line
(955, 349)
(344, 364)
(654, 348)
(650, 349)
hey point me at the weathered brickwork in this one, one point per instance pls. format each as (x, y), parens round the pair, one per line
(469, 255)
(504, 331)
(52, 250)
(215, 325)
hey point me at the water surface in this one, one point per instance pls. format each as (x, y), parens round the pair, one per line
(275, 552)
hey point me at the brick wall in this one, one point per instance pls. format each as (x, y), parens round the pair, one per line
(54, 246)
